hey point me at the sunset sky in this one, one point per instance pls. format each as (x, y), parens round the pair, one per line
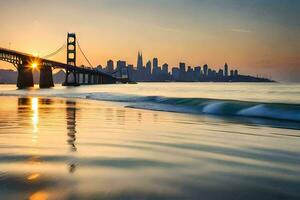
(257, 37)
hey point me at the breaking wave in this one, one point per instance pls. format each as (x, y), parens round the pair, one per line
(267, 110)
(278, 111)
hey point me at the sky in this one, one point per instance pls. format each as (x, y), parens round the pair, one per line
(258, 37)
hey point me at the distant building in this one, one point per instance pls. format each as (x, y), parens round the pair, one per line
(190, 74)
(99, 67)
(209, 73)
(182, 67)
(226, 70)
(148, 71)
(121, 64)
(121, 69)
(110, 66)
(214, 75)
(140, 68)
(130, 67)
(236, 73)
(205, 70)
(140, 61)
(182, 71)
(175, 73)
(165, 69)
(155, 62)
(220, 74)
(131, 72)
(198, 73)
(155, 66)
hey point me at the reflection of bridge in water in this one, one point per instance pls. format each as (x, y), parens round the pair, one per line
(29, 107)
(71, 129)
(24, 63)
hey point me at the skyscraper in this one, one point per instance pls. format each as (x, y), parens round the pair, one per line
(198, 72)
(110, 66)
(236, 73)
(140, 68)
(220, 74)
(182, 67)
(175, 73)
(182, 71)
(148, 70)
(226, 70)
(205, 70)
(140, 63)
(121, 68)
(131, 72)
(165, 68)
(155, 66)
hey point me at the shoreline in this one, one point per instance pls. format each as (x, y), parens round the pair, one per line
(271, 102)
(239, 119)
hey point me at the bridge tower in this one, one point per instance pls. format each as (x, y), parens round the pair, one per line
(71, 59)
(71, 49)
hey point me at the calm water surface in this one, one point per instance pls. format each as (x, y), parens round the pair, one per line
(70, 148)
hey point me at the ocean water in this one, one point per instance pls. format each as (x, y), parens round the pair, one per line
(151, 141)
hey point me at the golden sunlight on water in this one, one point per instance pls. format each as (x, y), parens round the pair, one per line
(33, 176)
(35, 118)
(39, 196)
(79, 149)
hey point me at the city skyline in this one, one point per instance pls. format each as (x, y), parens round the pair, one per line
(259, 37)
(154, 71)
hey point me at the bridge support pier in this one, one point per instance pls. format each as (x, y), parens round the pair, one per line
(104, 80)
(46, 77)
(89, 79)
(75, 79)
(67, 77)
(78, 78)
(108, 80)
(95, 79)
(25, 77)
(83, 78)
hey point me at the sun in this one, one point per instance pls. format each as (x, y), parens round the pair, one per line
(34, 65)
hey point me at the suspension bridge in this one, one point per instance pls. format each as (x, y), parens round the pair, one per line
(74, 75)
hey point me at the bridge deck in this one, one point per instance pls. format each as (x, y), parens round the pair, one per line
(50, 63)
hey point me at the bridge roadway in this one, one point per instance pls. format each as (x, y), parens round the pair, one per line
(81, 75)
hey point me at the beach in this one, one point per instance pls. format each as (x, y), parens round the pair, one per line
(148, 142)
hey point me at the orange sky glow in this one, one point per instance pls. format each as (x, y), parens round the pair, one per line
(256, 38)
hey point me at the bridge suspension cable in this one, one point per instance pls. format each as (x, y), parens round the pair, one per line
(55, 52)
(88, 61)
(84, 55)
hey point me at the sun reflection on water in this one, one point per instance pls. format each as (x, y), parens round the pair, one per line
(35, 118)
(33, 176)
(39, 196)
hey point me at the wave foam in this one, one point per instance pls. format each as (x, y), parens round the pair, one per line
(278, 111)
